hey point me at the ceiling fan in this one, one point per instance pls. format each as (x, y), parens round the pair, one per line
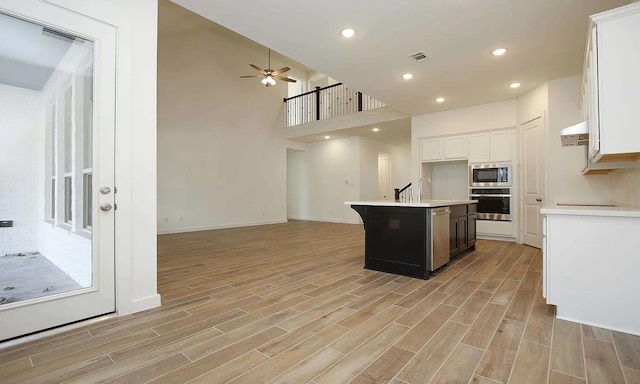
(270, 75)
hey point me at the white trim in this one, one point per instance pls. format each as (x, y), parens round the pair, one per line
(632, 332)
(359, 222)
(225, 226)
(497, 238)
(145, 303)
(56, 331)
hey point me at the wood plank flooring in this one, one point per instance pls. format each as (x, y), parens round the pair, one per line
(291, 303)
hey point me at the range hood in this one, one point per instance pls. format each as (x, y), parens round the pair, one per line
(575, 135)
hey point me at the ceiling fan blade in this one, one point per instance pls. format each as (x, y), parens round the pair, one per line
(284, 78)
(256, 68)
(281, 70)
(244, 77)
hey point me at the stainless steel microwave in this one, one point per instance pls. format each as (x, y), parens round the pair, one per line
(490, 175)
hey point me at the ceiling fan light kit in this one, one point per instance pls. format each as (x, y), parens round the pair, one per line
(268, 81)
(269, 75)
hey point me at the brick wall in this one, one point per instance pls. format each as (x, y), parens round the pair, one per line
(19, 168)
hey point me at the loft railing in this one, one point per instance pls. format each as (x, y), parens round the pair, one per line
(325, 103)
(400, 194)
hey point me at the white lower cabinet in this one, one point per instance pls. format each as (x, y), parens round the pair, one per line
(590, 269)
(545, 273)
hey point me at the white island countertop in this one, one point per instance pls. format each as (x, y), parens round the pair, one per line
(615, 210)
(421, 204)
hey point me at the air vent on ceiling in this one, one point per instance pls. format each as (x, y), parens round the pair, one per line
(419, 56)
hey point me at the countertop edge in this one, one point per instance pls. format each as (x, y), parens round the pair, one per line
(618, 211)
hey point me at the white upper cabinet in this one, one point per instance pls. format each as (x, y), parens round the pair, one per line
(490, 146)
(611, 84)
(455, 148)
(479, 148)
(443, 148)
(431, 149)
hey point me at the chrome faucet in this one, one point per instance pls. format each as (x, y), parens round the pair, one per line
(419, 197)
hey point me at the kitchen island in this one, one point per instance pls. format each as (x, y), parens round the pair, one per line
(412, 239)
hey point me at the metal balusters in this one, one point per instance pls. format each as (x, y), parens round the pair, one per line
(325, 103)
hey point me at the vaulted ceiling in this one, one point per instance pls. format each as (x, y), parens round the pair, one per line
(545, 39)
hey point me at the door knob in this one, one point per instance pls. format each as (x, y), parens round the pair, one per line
(538, 199)
(106, 207)
(105, 190)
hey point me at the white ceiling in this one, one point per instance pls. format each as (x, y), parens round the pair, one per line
(28, 56)
(545, 40)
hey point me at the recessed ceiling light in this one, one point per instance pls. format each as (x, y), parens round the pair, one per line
(348, 32)
(440, 100)
(499, 52)
(375, 129)
(514, 85)
(327, 137)
(407, 76)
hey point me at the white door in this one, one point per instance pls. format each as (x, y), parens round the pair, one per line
(533, 177)
(57, 99)
(384, 187)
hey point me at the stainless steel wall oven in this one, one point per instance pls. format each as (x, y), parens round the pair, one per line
(493, 203)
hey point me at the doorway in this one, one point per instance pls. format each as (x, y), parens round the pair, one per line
(384, 177)
(57, 99)
(533, 177)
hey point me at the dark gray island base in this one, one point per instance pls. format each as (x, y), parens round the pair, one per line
(399, 236)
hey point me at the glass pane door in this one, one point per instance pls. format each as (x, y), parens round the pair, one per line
(56, 250)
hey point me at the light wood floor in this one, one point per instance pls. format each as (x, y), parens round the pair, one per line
(291, 303)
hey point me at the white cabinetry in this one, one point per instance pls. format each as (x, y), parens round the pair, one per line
(443, 148)
(490, 146)
(590, 267)
(611, 80)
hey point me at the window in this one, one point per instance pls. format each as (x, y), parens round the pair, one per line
(69, 158)
(87, 219)
(87, 147)
(51, 158)
(68, 199)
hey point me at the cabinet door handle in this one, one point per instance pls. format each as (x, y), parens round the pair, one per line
(538, 199)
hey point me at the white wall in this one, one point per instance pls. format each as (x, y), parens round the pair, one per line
(328, 173)
(136, 250)
(449, 180)
(322, 178)
(221, 155)
(19, 184)
(400, 162)
(565, 181)
(625, 185)
(532, 104)
(298, 185)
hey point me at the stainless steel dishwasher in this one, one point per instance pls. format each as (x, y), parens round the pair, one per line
(439, 227)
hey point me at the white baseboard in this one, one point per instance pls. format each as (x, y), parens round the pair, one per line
(599, 325)
(222, 226)
(483, 236)
(145, 303)
(337, 221)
